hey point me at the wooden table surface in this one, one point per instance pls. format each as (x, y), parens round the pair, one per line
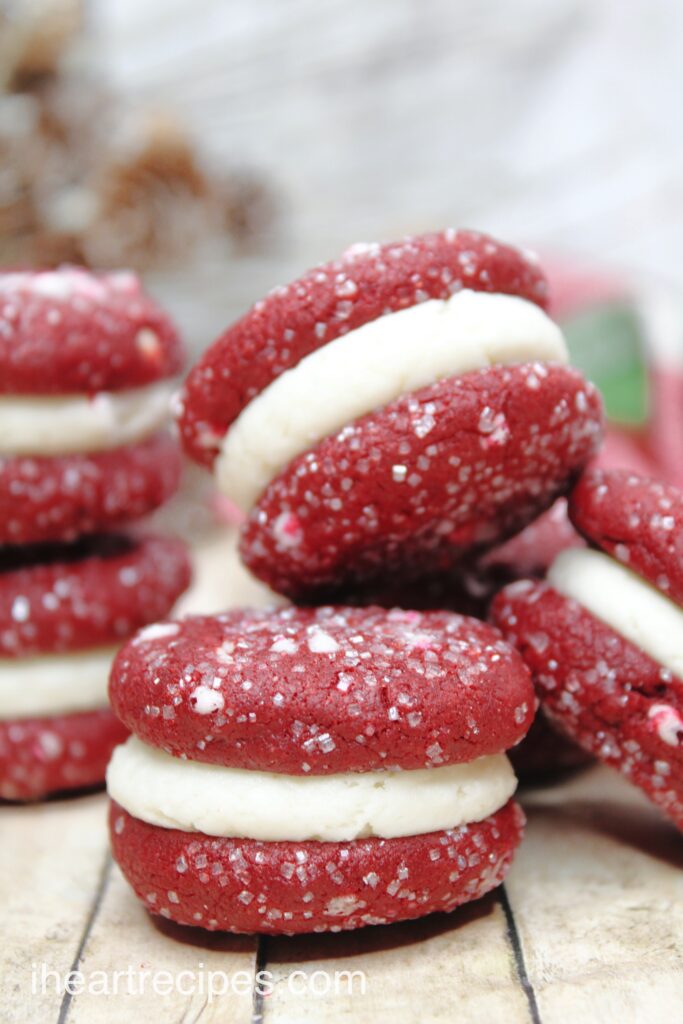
(588, 926)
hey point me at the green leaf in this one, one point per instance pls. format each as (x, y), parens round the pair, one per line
(607, 345)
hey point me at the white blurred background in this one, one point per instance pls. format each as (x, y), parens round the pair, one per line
(552, 123)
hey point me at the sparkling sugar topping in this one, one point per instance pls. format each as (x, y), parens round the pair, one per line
(324, 690)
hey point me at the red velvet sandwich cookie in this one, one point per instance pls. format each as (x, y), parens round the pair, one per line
(86, 363)
(545, 752)
(313, 770)
(389, 412)
(64, 610)
(602, 636)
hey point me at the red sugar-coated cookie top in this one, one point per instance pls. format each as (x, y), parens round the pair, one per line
(88, 594)
(333, 299)
(323, 690)
(638, 520)
(69, 331)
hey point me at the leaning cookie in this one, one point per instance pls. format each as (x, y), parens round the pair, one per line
(545, 753)
(389, 412)
(64, 610)
(85, 368)
(603, 636)
(315, 770)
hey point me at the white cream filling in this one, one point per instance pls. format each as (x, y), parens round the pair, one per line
(194, 797)
(220, 580)
(371, 366)
(626, 602)
(54, 684)
(65, 424)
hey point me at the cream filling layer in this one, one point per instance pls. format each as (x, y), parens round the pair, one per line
(67, 424)
(55, 684)
(371, 366)
(195, 797)
(626, 602)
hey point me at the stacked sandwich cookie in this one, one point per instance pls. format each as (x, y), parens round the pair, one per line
(86, 363)
(388, 420)
(603, 636)
(64, 610)
(390, 413)
(313, 770)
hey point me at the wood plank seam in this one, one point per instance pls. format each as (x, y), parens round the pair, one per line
(100, 891)
(260, 965)
(518, 956)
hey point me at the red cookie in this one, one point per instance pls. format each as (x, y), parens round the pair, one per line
(416, 482)
(59, 498)
(479, 457)
(39, 756)
(73, 599)
(241, 885)
(639, 521)
(327, 690)
(73, 334)
(600, 689)
(323, 690)
(69, 331)
(90, 594)
(544, 750)
(330, 300)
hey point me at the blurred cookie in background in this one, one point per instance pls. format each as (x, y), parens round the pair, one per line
(88, 180)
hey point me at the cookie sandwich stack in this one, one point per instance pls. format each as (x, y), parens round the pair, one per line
(603, 635)
(315, 769)
(86, 362)
(381, 421)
